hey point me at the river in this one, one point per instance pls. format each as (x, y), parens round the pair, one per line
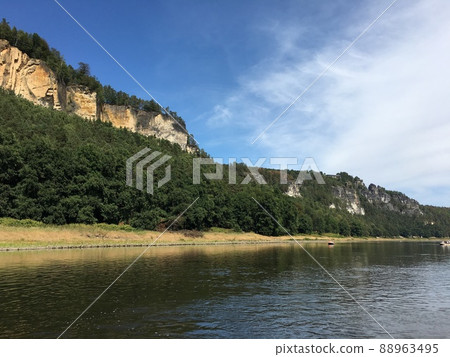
(233, 291)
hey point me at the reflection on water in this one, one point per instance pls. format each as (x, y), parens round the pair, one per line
(252, 291)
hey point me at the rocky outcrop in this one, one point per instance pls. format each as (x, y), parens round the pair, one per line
(376, 194)
(118, 116)
(34, 80)
(391, 201)
(293, 190)
(27, 77)
(82, 102)
(161, 126)
(146, 123)
(349, 196)
(354, 196)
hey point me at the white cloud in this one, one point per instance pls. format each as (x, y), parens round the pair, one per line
(220, 116)
(380, 113)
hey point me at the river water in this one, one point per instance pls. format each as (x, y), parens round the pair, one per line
(239, 291)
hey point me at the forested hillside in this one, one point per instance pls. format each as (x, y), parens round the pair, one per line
(59, 168)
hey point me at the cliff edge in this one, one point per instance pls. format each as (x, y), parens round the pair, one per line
(35, 81)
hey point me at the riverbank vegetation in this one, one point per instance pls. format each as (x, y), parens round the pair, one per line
(29, 234)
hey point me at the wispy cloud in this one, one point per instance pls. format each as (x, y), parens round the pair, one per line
(380, 113)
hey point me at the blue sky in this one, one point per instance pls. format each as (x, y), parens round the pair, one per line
(230, 67)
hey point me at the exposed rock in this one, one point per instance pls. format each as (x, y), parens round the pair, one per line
(161, 126)
(405, 204)
(392, 201)
(35, 81)
(146, 123)
(349, 196)
(376, 194)
(355, 192)
(81, 101)
(27, 77)
(192, 149)
(119, 116)
(293, 190)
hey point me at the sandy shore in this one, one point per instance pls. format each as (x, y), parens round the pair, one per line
(65, 237)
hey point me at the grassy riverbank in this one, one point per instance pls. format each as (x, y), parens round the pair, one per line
(28, 234)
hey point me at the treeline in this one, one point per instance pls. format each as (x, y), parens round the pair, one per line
(59, 168)
(36, 47)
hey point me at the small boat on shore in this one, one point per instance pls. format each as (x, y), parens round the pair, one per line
(330, 242)
(445, 242)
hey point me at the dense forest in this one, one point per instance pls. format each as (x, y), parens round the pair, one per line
(59, 168)
(36, 47)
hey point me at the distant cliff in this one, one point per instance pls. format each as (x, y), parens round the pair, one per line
(355, 197)
(35, 81)
(346, 193)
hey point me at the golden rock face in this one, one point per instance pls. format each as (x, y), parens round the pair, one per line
(81, 102)
(119, 116)
(35, 81)
(28, 77)
(146, 123)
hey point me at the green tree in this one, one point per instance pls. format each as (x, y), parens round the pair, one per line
(305, 224)
(344, 227)
(356, 229)
(83, 69)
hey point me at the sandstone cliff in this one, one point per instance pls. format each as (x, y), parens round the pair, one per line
(27, 77)
(355, 195)
(35, 81)
(82, 102)
(146, 123)
(391, 201)
(349, 196)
